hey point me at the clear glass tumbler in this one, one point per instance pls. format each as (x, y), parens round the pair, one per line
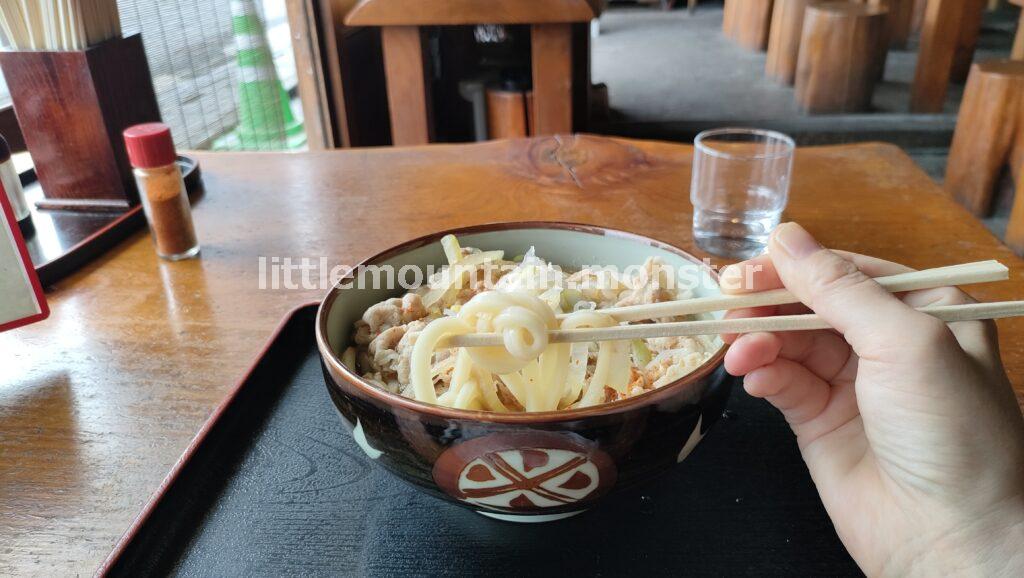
(739, 188)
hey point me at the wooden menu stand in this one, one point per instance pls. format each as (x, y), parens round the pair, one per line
(72, 107)
(408, 87)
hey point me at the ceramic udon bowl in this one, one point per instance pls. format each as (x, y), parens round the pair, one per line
(528, 467)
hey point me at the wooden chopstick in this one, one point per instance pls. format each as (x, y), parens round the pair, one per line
(947, 313)
(964, 274)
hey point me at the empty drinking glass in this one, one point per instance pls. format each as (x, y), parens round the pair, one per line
(739, 188)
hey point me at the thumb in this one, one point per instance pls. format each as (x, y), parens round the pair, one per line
(872, 320)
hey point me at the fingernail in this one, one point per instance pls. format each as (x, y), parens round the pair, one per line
(795, 241)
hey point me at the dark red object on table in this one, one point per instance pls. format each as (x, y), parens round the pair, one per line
(72, 107)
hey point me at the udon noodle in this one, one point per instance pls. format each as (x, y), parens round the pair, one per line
(400, 342)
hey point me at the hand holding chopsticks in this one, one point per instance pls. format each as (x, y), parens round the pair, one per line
(980, 272)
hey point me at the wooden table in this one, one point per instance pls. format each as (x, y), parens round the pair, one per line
(99, 401)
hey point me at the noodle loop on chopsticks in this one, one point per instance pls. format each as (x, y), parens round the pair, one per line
(521, 319)
(538, 374)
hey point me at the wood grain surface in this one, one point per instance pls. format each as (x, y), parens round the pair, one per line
(408, 86)
(839, 57)
(747, 22)
(453, 12)
(989, 133)
(941, 35)
(551, 64)
(784, 40)
(100, 400)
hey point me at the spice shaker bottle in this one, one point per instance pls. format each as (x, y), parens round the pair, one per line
(162, 190)
(12, 185)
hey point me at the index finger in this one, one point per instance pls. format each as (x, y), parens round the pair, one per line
(759, 274)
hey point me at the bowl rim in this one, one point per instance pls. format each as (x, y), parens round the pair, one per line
(330, 358)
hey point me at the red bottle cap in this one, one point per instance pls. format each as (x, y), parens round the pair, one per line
(149, 145)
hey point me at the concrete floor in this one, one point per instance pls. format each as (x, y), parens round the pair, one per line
(670, 66)
(671, 75)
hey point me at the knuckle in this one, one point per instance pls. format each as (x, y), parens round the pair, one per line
(835, 275)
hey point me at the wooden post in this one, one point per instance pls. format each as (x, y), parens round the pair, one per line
(784, 39)
(747, 22)
(408, 97)
(1017, 53)
(940, 35)
(506, 114)
(986, 132)
(967, 40)
(551, 49)
(312, 83)
(1015, 226)
(901, 21)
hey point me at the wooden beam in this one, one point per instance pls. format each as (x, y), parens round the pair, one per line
(408, 98)
(454, 12)
(552, 78)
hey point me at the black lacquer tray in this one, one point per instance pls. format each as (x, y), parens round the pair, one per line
(274, 485)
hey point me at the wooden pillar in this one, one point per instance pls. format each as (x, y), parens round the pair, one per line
(551, 47)
(970, 28)
(917, 18)
(1015, 226)
(987, 130)
(784, 39)
(747, 22)
(729, 17)
(901, 21)
(1017, 53)
(408, 96)
(837, 66)
(940, 34)
(882, 52)
(506, 114)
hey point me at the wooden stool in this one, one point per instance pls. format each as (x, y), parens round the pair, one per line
(747, 22)
(989, 135)
(784, 39)
(838, 61)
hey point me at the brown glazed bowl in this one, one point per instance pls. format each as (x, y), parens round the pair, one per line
(526, 467)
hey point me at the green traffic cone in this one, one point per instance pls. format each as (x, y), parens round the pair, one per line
(265, 119)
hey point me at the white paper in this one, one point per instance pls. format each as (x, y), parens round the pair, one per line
(17, 297)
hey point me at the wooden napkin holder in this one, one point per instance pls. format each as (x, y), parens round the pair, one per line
(72, 107)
